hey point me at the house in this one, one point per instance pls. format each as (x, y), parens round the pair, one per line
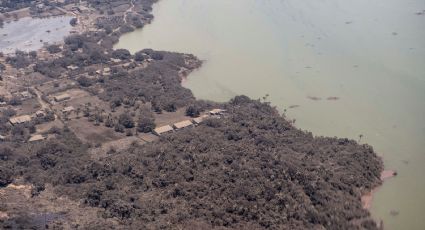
(182, 124)
(40, 6)
(200, 119)
(106, 71)
(68, 109)
(62, 97)
(115, 60)
(20, 119)
(26, 95)
(128, 65)
(162, 130)
(40, 113)
(3, 104)
(72, 67)
(37, 137)
(2, 138)
(217, 112)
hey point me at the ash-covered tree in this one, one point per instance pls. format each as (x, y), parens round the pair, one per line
(139, 56)
(15, 101)
(19, 60)
(119, 128)
(145, 124)
(5, 176)
(193, 111)
(126, 120)
(122, 54)
(84, 81)
(109, 121)
(53, 49)
(73, 21)
(32, 54)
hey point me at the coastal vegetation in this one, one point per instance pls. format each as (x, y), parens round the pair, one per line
(245, 168)
(251, 169)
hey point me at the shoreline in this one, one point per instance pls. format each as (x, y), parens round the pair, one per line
(367, 198)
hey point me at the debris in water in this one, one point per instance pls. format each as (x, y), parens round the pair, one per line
(294, 106)
(394, 33)
(420, 12)
(314, 98)
(348, 22)
(333, 98)
(394, 212)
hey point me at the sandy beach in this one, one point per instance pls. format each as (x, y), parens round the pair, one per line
(368, 197)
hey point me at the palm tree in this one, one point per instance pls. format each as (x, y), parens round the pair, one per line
(77, 112)
(360, 137)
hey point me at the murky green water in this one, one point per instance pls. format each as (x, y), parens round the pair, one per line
(368, 53)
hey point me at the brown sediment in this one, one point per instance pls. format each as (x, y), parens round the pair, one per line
(368, 197)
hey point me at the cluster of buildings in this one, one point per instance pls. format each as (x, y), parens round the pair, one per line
(187, 123)
(23, 119)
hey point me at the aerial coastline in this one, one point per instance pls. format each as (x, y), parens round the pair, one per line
(83, 82)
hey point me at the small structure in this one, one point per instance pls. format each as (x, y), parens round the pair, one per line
(40, 6)
(62, 97)
(26, 95)
(72, 67)
(200, 119)
(3, 104)
(106, 71)
(76, 9)
(40, 113)
(217, 111)
(115, 60)
(182, 124)
(128, 65)
(37, 137)
(2, 138)
(20, 119)
(162, 130)
(68, 109)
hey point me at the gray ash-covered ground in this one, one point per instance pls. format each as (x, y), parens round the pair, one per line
(250, 169)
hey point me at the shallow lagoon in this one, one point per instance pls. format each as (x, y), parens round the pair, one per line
(340, 68)
(26, 33)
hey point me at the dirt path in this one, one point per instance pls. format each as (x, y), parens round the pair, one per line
(43, 104)
(129, 10)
